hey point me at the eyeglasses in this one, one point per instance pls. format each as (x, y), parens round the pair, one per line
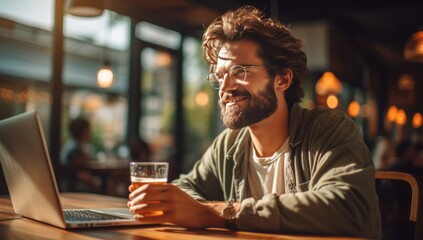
(236, 73)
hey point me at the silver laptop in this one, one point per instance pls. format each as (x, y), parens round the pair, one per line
(31, 182)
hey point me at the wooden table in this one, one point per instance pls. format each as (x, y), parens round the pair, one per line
(15, 227)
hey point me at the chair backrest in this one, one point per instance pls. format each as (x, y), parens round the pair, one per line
(415, 224)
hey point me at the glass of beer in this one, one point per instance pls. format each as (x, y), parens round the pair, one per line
(148, 173)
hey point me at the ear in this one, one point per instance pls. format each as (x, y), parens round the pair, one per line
(283, 80)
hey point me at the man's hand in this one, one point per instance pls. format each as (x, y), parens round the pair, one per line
(178, 207)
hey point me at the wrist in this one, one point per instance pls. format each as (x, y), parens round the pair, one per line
(229, 215)
(224, 214)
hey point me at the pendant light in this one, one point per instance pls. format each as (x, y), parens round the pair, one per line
(105, 75)
(328, 84)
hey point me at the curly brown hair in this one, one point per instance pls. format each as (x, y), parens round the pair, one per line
(278, 47)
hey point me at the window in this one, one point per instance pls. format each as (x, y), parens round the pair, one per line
(158, 102)
(201, 114)
(89, 43)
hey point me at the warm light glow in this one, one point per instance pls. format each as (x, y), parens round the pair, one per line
(332, 101)
(328, 84)
(202, 99)
(417, 120)
(401, 117)
(29, 95)
(405, 83)
(354, 109)
(163, 59)
(92, 102)
(105, 77)
(392, 113)
(413, 51)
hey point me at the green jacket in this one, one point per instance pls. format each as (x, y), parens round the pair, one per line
(329, 182)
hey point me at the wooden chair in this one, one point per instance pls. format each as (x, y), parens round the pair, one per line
(415, 224)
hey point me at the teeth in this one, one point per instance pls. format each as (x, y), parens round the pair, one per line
(232, 101)
(236, 99)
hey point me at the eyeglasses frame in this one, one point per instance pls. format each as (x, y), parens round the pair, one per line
(216, 84)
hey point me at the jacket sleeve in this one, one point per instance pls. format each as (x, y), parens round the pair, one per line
(339, 198)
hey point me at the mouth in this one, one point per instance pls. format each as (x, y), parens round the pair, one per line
(235, 100)
(231, 101)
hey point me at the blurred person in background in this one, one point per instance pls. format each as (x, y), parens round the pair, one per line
(76, 152)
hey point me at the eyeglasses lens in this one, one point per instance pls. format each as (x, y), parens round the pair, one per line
(236, 73)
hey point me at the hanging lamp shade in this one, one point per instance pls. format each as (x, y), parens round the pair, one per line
(105, 76)
(85, 8)
(328, 84)
(413, 51)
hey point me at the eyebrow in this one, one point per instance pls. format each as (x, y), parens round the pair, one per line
(224, 58)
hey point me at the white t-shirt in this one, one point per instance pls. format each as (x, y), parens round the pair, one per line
(266, 174)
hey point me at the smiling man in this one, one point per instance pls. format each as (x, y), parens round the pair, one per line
(277, 167)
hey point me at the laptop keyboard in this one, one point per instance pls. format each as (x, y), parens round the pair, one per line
(88, 215)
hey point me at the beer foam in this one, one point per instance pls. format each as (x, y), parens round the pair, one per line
(148, 180)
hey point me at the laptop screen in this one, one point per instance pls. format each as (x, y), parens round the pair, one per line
(27, 168)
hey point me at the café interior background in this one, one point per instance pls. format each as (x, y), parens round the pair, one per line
(49, 61)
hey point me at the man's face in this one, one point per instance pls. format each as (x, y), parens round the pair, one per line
(246, 102)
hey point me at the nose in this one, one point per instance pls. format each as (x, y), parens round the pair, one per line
(227, 84)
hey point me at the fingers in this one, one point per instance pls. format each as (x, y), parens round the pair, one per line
(138, 191)
(201, 215)
(168, 203)
(150, 203)
(144, 198)
(165, 203)
(151, 209)
(151, 194)
(152, 212)
(149, 188)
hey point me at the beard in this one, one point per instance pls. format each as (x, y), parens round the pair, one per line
(260, 106)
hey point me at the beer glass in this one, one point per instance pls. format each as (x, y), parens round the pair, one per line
(148, 173)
